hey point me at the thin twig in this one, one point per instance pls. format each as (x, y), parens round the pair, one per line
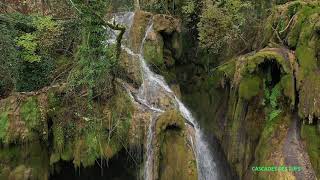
(288, 25)
(74, 6)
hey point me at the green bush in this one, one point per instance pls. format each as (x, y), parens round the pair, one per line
(32, 76)
(8, 55)
(26, 46)
(95, 61)
(221, 23)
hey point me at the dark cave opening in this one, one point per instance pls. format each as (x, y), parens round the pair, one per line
(272, 70)
(173, 127)
(120, 167)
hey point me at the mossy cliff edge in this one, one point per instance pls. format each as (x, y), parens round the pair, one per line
(251, 101)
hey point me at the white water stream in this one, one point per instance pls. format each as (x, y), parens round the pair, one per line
(153, 86)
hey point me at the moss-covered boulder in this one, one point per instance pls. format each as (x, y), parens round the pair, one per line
(176, 158)
(40, 129)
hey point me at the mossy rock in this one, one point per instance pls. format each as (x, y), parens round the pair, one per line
(139, 26)
(30, 113)
(78, 134)
(88, 136)
(23, 119)
(4, 125)
(269, 54)
(166, 24)
(249, 87)
(176, 45)
(310, 136)
(228, 69)
(250, 64)
(175, 159)
(309, 104)
(287, 84)
(129, 69)
(301, 34)
(28, 161)
(269, 150)
(153, 50)
(169, 118)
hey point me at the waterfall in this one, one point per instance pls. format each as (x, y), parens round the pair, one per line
(153, 86)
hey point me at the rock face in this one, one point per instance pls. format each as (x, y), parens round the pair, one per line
(176, 158)
(130, 69)
(248, 102)
(170, 131)
(166, 24)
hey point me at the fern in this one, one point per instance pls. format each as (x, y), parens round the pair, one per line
(275, 94)
(270, 101)
(273, 114)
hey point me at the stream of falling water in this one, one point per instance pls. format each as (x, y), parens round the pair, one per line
(154, 84)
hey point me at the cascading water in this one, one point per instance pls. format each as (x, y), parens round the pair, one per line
(154, 85)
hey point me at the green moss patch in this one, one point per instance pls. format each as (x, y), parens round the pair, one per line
(269, 149)
(169, 118)
(153, 52)
(176, 158)
(310, 135)
(287, 84)
(176, 162)
(249, 87)
(28, 161)
(30, 113)
(309, 106)
(4, 124)
(87, 135)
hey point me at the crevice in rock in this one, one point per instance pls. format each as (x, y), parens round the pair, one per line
(120, 167)
(173, 127)
(272, 70)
